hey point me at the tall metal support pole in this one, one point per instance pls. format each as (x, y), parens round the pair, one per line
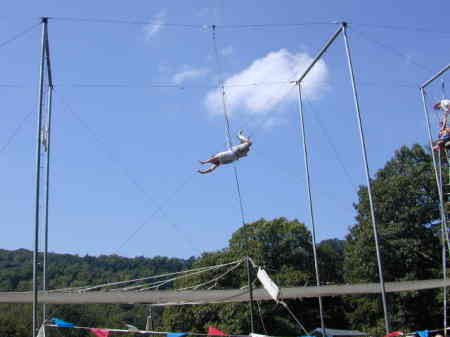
(149, 323)
(250, 288)
(436, 174)
(310, 203)
(38, 177)
(366, 167)
(47, 183)
(444, 252)
(444, 230)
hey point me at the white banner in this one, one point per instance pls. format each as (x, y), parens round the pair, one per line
(268, 284)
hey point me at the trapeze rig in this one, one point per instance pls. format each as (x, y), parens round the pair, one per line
(442, 171)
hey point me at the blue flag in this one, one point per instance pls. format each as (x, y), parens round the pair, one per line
(423, 333)
(61, 323)
(177, 334)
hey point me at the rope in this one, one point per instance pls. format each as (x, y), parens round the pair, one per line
(227, 121)
(261, 316)
(159, 208)
(18, 35)
(319, 121)
(139, 331)
(15, 132)
(294, 317)
(214, 280)
(222, 89)
(174, 279)
(182, 25)
(103, 285)
(393, 51)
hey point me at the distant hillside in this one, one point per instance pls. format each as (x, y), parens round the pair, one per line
(67, 270)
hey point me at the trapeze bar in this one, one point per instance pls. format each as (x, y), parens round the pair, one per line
(435, 76)
(321, 52)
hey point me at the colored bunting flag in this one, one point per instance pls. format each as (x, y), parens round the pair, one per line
(61, 323)
(177, 334)
(212, 331)
(395, 333)
(131, 327)
(100, 332)
(423, 333)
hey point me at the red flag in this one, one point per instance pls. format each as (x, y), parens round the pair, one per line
(100, 332)
(395, 333)
(212, 331)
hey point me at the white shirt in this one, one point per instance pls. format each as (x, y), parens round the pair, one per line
(445, 105)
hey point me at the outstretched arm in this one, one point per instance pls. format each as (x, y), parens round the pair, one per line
(243, 139)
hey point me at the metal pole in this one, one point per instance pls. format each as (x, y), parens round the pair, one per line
(438, 183)
(438, 176)
(319, 55)
(47, 182)
(38, 177)
(435, 76)
(149, 323)
(310, 203)
(444, 253)
(250, 288)
(366, 167)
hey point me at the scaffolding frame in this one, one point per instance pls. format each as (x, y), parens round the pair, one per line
(341, 30)
(437, 165)
(45, 69)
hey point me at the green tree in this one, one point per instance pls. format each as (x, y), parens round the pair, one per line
(284, 249)
(406, 212)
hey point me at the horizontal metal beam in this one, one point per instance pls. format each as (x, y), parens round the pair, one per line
(435, 76)
(321, 52)
(171, 297)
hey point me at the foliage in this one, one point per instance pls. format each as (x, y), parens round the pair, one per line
(407, 220)
(284, 249)
(70, 271)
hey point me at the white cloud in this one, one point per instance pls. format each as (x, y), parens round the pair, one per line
(156, 24)
(273, 122)
(227, 51)
(189, 74)
(260, 100)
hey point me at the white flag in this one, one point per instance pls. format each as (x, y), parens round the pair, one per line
(268, 284)
(131, 327)
(41, 332)
(257, 335)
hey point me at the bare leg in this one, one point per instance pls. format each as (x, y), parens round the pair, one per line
(212, 160)
(209, 169)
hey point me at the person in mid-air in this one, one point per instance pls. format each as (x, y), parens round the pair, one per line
(229, 156)
(444, 131)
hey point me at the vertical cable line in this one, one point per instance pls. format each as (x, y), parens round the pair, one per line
(227, 121)
(38, 177)
(235, 171)
(368, 179)
(310, 202)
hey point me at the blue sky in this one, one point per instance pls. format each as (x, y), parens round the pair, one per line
(122, 148)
